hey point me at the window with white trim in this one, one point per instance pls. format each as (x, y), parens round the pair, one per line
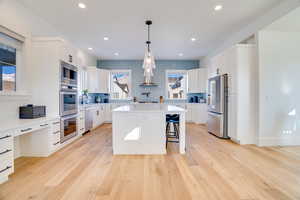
(10, 49)
(120, 84)
(176, 84)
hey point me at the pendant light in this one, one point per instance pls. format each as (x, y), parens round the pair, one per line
(149, 62)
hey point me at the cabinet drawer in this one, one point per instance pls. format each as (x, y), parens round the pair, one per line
(55, 126)
(6, 143)
(55, 145)
(55, 137)
(28, 129)
(6, 162)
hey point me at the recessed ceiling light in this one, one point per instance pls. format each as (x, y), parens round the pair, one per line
(116, 54)
(81, 5)
(180, 54)
(90, 48)
(218, 7)
(106, 38)
(193, 39)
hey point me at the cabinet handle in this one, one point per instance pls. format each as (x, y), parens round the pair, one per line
(42, 125)
(56, 132)
(56, 123)
(5, 137)
(82, 129)
(28, 129)
(56, 143)
(6, 151)
(3, 170)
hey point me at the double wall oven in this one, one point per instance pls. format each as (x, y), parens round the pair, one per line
(68, 101)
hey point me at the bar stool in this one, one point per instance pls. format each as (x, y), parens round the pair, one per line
(172, 136)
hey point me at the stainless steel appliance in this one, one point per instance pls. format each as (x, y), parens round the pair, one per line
(68, 74)
(88, 119)
(68, 102)
(217, 123)
(68, 127)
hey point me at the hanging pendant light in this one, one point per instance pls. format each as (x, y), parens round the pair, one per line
(149, 62)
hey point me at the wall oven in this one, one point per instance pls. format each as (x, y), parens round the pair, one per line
(68, 103)
(68, 74)
(68, 127)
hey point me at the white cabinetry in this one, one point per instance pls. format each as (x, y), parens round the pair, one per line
(108, 113)
(197, 80)
(197, 113)
(104, 80)
(6, 156)
(92, 80)
(68, 53)
(97, 80)
(37, 137)
(81, 121)
(98, 115)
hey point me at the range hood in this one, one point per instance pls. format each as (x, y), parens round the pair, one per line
(148, 85)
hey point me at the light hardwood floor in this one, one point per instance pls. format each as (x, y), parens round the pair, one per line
(211, 169)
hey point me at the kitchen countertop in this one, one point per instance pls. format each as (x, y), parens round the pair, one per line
(19, 123)
(150, 108)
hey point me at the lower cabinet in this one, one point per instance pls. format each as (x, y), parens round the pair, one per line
(6, 156)
(99, 115)
(81, 121)
(108, 113)
(196, 113)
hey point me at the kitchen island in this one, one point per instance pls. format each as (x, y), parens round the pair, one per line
(140, 129)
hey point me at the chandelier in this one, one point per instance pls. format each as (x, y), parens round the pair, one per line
(149, 62)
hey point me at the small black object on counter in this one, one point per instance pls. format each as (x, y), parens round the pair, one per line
(31, 112)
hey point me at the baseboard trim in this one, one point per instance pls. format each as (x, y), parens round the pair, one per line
(278, 141)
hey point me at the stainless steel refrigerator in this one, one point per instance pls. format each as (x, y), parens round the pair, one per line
(217, 122)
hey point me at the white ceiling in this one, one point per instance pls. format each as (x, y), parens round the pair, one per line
(174, 23)
(287, 23)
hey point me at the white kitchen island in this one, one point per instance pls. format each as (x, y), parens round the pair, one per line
(140, 129)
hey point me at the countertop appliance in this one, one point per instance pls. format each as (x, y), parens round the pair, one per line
(217, 123)
(31, 112)
(88, 118)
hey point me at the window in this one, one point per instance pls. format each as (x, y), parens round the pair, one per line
(176, 84)
(8, 57)
(120, 84)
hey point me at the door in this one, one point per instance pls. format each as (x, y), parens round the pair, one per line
(68, 104)
(215, 97)
(69, 127)
(215, 124)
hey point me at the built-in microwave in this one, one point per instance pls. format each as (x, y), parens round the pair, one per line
(69, 74)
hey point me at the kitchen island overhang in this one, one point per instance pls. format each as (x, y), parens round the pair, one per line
(140, 129)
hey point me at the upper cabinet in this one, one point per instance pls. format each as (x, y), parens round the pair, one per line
(197, 80)
(97, 80)
(68, 53)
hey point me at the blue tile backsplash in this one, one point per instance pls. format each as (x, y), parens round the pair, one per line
(159, 75)
(196, 98)
(98, 98)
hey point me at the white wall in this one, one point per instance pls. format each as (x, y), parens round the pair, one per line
(279, 88)
(24, 22)
(275, 13)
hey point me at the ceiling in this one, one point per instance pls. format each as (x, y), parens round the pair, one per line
(287, 23)
(175, 22)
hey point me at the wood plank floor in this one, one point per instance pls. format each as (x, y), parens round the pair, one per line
(211, 169)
